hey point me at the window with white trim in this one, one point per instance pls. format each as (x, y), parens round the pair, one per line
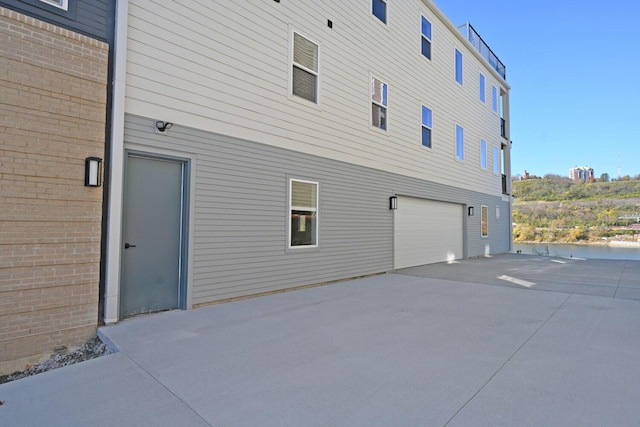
(303, 210)
(497, 212)
(484, 220)
(483, 154)
(305, 68)
(427, 118)
(379, 9)
(496, 161)
(379, 104)
(482, 88)
(458, 66)
(426, 37)
(62, 4)
(459, 142)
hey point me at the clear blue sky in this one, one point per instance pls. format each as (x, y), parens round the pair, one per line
(574, 71)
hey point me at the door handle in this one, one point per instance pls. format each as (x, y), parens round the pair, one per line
(127, 246)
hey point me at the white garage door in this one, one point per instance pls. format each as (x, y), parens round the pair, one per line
(426, 231)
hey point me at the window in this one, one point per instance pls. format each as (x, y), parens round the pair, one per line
(426, 38)
(482, 91)
(305, 68)
(494, 99)
(378, 104)
(459, 143)
(484, 220)
(496, 161)
(483, 154)
(497, 212)
(62, 4)
(458, 66)
(426, 126)
(379, 9)
(303, 208)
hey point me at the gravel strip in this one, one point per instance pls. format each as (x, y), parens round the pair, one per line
(91, 350)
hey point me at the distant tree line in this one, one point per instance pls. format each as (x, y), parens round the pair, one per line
(557, 209)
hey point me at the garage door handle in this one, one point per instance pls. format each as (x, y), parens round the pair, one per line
(127, 246)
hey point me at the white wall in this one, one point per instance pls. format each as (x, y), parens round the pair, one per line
(224, 66)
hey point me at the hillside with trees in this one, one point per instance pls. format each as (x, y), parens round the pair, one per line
(555, 209)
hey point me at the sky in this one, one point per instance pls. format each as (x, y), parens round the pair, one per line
(574, 71)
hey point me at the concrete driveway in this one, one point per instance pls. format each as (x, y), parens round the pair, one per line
(389, 350)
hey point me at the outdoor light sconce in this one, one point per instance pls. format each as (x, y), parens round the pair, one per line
(93, 172)
(393, 202)
(163, 126)
(470, 210)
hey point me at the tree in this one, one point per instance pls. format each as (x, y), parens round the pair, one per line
(604, 177)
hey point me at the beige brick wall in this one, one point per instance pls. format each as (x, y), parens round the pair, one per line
(52, 116)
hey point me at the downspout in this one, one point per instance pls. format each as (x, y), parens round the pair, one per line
(116, 167)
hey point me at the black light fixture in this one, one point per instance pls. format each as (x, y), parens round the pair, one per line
(93, 172)
(163, 126)
(470, 210)
(393, 202)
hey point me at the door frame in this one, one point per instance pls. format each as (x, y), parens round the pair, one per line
(185, 216)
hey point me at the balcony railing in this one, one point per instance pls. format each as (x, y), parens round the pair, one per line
(483, 48)
(504, 184)
(503, 129)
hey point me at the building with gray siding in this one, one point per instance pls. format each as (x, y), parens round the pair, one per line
(262, 146)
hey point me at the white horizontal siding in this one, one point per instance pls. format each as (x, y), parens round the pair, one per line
(224, 67)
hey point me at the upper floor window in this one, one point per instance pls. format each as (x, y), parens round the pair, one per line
(378, 104)
(458, 66)
(305, 68)
(303, 210)
(483, 154)
(62, 4)
(459, 143)
(482, 89)
(494, 99)
(379, 9)
(496, 160)
(426, 38)
(427, 117)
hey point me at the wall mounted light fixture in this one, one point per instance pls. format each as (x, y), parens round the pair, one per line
(470, 210)
(93, 172)
(163, 126)
(393, 202)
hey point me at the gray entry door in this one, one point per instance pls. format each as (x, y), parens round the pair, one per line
(152, 239)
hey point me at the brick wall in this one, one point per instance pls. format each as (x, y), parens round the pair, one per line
(52, 116)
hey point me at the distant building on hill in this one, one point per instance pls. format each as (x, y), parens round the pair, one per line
(581, 173)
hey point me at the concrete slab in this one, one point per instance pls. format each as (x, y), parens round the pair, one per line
(468, 348)
(108, 391)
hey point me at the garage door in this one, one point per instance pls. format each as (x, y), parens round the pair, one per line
(426, 231)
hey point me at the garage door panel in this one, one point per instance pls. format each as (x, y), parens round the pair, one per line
(426, 231)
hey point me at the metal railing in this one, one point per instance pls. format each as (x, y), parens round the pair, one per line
(475, 39)
(504, 184)
(503, 128)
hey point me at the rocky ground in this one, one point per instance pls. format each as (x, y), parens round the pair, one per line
(91, 350)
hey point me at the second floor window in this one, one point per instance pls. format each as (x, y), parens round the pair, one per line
(459, 143)
(378, 104)
(426, 126)
(482, 89)
(305, 68)
(483, 154)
